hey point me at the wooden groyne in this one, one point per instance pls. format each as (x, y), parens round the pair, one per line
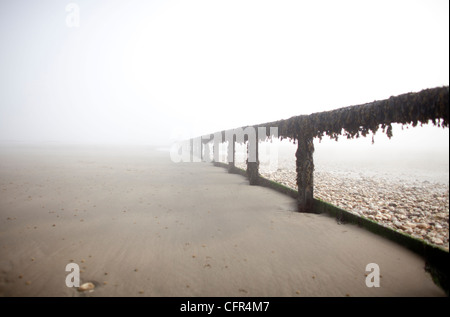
(429, 106)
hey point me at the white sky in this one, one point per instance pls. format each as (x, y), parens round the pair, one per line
(147, 71)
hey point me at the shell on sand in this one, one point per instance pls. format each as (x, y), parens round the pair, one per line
(86, 287)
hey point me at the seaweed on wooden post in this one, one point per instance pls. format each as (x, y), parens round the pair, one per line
(253, 159)
(305, 172)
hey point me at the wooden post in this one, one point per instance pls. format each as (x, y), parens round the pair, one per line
(232, 156)
(305, 173)
(253, 167)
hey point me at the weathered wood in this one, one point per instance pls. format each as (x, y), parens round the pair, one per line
(423, 107)
(305, 173)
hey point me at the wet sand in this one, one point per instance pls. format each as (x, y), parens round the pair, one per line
(139, 225)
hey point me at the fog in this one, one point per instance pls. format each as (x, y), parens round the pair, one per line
(148, 72)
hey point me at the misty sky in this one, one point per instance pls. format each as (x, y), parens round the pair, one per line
(149, 71)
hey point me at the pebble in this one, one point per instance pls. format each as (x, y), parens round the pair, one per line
(86, 287)
(423, 226)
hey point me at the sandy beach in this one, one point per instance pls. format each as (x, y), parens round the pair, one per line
(138, 224)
